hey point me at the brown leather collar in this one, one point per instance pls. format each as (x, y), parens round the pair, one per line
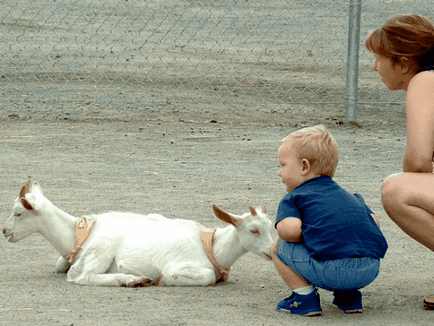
(207, 237)
(82, 232)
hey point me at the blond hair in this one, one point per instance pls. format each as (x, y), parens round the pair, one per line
(316, 145)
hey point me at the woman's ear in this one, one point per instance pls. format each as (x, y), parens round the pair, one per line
(406, 65)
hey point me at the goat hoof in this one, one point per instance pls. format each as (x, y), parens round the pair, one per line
(143, 282)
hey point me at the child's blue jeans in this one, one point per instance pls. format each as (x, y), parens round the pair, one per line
(333, 275)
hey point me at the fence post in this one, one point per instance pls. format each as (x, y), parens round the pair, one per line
(353, 60)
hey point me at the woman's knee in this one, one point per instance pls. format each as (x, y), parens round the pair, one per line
(391, 189)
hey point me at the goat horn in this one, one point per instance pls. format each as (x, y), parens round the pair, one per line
(25, 190)
(264, 209)
(252, 210)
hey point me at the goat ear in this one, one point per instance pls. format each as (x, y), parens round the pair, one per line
(36, 187)
(226, 217)
(25, 189)
(253, 211)
(26, 204)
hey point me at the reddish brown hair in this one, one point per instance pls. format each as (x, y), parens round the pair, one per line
(409, 36)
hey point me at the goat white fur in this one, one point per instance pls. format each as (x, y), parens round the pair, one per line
(126, 249)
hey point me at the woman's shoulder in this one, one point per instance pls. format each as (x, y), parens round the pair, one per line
(421, 83)
(425, 77)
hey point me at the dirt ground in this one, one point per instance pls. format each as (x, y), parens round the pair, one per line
(160, 145)
(178, 165)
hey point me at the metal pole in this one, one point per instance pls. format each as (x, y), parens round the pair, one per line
(353, 60)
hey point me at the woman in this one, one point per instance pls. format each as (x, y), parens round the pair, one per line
(404, 58)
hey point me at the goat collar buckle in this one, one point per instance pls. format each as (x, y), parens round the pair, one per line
(207, 237)
(82, 231)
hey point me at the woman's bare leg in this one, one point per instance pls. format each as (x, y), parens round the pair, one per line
(408, 199)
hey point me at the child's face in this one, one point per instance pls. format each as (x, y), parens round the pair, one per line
(291, 167)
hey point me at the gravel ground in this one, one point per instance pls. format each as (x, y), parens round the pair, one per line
(178, 166)
(199, 121)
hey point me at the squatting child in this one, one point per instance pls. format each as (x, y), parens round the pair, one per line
(327, 238)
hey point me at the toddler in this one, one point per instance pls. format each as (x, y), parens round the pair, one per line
(327, 238)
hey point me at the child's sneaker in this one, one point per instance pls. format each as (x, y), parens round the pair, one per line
(306, 305)
(349, 301)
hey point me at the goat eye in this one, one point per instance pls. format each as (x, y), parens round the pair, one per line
(18, 214)
(255, 231)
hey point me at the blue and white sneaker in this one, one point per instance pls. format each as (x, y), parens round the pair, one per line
(305, 305)
(349, 301)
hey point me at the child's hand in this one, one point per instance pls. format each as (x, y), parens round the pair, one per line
(289, 229)
(375, 219)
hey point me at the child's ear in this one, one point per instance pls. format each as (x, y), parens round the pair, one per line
(305, 166)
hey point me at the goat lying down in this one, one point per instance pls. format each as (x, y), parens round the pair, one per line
(126, 249)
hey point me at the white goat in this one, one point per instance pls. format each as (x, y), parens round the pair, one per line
(126, 249)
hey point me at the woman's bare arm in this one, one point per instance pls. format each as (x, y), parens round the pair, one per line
(420, 124)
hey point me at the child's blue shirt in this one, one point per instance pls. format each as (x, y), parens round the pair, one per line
(335, 224)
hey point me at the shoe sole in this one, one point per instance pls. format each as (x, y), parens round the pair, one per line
(350, 311)
(309, 314)
(353, 311)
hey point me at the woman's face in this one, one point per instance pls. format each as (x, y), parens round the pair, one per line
(390, 72)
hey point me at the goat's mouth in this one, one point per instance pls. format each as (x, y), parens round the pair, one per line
(267, 256)
(10, 237)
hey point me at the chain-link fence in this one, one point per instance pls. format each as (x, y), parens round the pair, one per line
(181, 54)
